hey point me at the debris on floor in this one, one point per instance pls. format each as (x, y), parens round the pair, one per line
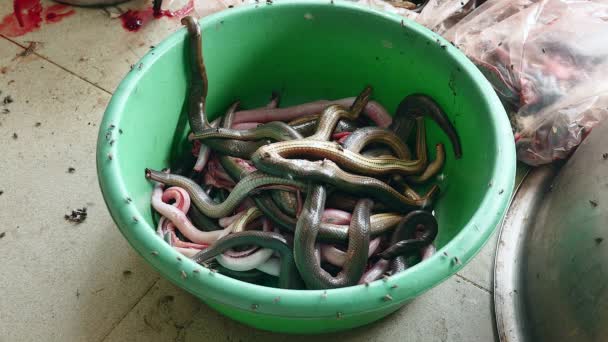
(77, 215)
(32, 46)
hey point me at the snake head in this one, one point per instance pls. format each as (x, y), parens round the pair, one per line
(361, 101)
(419, 105)
(188, 21)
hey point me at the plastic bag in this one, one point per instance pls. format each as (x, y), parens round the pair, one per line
(556, 130)
(440, 15)
(437, 15)
(387, 7)
(545, 60)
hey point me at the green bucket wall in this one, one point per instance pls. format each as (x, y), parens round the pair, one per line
(308, 50)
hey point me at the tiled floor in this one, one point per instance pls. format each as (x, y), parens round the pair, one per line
(61, 281)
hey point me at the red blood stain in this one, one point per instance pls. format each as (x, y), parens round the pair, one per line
(27, 17)
(133, 20)
(28, 6)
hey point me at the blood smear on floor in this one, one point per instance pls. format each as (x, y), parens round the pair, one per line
(133, 20)
(28, 16)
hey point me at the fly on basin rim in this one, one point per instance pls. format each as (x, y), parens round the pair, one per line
(301, 310)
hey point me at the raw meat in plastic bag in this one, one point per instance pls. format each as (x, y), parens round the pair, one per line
(544, 59)
(556, 130)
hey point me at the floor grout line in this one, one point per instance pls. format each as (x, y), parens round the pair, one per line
(114, 326)
(473, 283)
(58, 65)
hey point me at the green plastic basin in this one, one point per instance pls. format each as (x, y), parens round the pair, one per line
(308, 50)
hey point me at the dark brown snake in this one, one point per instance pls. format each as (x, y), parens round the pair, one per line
(305, 237)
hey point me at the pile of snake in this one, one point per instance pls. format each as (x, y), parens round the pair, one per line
(314, 196)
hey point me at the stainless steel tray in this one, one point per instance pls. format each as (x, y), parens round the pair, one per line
(551, 265)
